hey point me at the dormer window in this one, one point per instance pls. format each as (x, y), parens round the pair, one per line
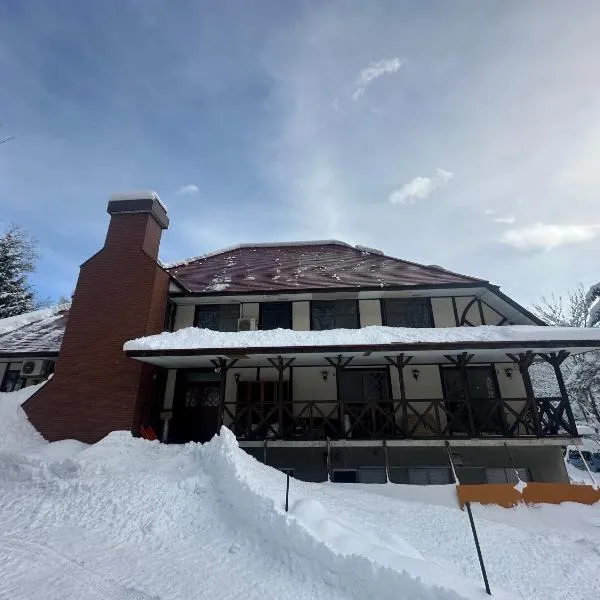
(334, 314)
(407, 312)
(218, 317)
(276, 315)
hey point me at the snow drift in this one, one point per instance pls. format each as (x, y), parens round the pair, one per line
(131, 519)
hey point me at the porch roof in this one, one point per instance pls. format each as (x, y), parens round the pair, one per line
(369, 345)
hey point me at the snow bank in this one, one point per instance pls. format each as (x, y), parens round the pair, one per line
(16, 432)
(356, 560)
(193, 337)
(12, 323)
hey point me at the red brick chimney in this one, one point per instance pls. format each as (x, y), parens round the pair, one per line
(121, 294)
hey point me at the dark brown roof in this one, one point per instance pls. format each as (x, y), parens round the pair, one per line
(306, 266)
(37, 338)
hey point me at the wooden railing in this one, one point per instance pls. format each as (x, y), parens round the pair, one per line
(397, 419)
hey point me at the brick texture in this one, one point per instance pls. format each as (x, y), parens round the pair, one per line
(121, 294)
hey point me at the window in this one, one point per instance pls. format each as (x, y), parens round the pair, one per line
(276, 315)
(344, 476)
(407, 312)
(12, 380)
(334, 314)
(219, 317)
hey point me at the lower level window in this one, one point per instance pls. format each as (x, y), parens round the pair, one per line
(345, 476)
(12, 380)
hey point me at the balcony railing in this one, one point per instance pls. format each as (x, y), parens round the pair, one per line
(397, 419)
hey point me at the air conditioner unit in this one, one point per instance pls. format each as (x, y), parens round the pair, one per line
(33, 368)
(246, 324)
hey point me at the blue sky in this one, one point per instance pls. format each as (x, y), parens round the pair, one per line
(465, 134)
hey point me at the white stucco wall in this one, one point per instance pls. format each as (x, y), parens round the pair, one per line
(184, 317)
(370, 312)
(491, 316)
(301, 315)
(443, 312)
(170, 389)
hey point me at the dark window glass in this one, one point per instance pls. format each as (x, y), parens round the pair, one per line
(360, 386)
(348, 476)
(170, 316)
(219, 317)
(407, 312)
(276, 315)
(12, 381)
(334, 314)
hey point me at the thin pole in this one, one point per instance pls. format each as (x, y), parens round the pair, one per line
(387, 464)
(514, 465)
(328, 461)
(473, 529)
(287, 492)
(479, 555)
(587, 467)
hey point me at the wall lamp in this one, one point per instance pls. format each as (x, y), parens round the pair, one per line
(415, 374)
(509, 372)
(237, 377)
(325, 375)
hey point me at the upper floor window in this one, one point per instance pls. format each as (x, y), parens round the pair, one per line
(274, 315)
(334, 314)
(12, 380)
(219, 317)
(407, 312)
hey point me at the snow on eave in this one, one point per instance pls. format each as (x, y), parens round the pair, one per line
(13, 323)
(192, 259)
(194, 338)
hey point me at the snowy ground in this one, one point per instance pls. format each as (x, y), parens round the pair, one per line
(132, 519)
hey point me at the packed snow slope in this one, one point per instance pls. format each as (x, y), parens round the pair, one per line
(131, 519)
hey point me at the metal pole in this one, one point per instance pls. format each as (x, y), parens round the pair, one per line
(479, 555)
(287, 493)
(387, 464)
(328, 461)
(473, 529)
(587, 467)
(514, 465)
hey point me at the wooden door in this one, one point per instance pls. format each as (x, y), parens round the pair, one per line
(196, 417)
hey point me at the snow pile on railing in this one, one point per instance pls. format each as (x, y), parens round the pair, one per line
(193, 337)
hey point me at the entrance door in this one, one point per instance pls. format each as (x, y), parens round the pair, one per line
(483, 391)
(196, 418)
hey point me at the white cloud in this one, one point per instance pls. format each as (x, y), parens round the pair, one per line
(187, 190)
(375, 70)
(489, 211)
(505, 220)
(546, 237)
(420, 187)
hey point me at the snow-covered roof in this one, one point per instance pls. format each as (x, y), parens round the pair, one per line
(195, 338)
(187, 261)
(39, 331)
(313, 265)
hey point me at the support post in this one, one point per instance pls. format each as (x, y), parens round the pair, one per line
(287, 493)
(328, 460)
(461, 361)
(556, 360)
(400, 361)
(524, 361)
(339, 364)
(281, 366)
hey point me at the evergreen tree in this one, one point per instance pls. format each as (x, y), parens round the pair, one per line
(17, 259)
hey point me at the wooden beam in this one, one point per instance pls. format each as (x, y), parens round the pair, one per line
(524, 361)
(556, 359)
(400, 361)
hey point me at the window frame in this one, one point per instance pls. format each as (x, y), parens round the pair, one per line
(199, 307)
(334, 300)
(425, 299)
(261, 312)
